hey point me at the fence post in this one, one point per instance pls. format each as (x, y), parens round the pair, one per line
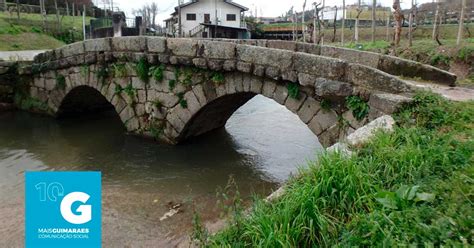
(84, 21)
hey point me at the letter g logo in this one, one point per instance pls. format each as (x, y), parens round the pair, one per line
(85, 210)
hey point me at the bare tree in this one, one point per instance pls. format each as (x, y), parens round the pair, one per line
(343, 21)
(317, 36)
(374, 3)
(154, 12)
(461, 22)
(435, 35)
(356, 30)
(398, 16)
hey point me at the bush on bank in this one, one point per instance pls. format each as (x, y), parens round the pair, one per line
(411, 187)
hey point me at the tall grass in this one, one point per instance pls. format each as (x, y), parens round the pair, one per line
(411, 187)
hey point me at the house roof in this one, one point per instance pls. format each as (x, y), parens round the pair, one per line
(243, 8)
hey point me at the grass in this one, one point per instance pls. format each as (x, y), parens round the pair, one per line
(413, 187)
(28, 33)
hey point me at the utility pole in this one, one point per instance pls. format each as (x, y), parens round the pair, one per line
(302, 24)
(374, 5)
(323, 23)
(343, 21)
(461, 23)
(314, 21)
(410, 25)
(84, 21)
(179, 19)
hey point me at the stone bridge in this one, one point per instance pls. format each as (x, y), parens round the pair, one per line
(173, 89)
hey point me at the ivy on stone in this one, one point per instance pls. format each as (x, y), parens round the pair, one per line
(158, 72)
(217, 77)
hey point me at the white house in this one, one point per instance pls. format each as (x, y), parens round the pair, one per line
(208, 19)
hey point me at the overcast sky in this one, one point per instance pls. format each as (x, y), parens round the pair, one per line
(269, 8)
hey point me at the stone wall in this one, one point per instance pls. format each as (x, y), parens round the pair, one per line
(386, 63)
(193, 86)
(7, 85)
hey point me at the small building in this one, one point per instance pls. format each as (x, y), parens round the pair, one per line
(208, 19)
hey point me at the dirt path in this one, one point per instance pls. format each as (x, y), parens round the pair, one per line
(452, 93)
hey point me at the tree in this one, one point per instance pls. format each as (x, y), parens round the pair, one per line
(374, 3)
(343, 21)
(461, 22)
(435, 35)
(397, 14)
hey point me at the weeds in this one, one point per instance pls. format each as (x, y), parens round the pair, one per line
(217, 77)
(293, 90)
(120, 70)
(359, 108)
(60, 82)
(143, 69)
(182, 102)
(158, 72)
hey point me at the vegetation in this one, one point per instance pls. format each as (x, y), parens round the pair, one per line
(158, 72)
(130, 91)
(143, 70)
(103, 74)
(217, 77)
(293, 90)
(60, 82)
(412, 187)
(30, 103)
(29, 34)
(325, 104)
(359, 108)
(120, 70)
(182, 102)
(171, 84)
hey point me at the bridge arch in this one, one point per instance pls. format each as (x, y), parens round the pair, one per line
(173, 89)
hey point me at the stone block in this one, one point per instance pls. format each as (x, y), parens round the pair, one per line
(293, 104)
(281, 94)
(216, 50)
(229, 65)
(269, 87)
(280, 44)
(98, 45)
(72, 49)
(327, 88)
(388, 103)
(329, 137)
(193, 103)
(129, 44)
(309, 109)
(320, 66)
(200, 95)
(183, 47)
(244, 67)
(326, 119)
(385, 123)
(306, 79)
(156, 44)
(265, 56)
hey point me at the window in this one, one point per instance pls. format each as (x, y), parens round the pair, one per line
(190, 17)
(231, 17)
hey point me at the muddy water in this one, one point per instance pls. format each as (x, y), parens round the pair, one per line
(261, 145)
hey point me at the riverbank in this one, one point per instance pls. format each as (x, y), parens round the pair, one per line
(410, 187)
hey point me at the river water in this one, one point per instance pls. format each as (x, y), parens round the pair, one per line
(260, 146)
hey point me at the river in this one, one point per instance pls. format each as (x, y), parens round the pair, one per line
(261, 145)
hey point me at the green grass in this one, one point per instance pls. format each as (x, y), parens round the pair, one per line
(413, 187)
(28, 33)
